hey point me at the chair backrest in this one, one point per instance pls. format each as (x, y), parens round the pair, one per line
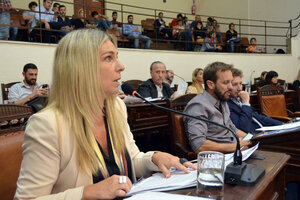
(114, 32)
(256, 80)
(10, 162)
(179, 141)
(14, 117)
(148, 24)
(271, 100)
(5, 89)
(135, 83)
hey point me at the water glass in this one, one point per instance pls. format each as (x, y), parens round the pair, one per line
(210, 174)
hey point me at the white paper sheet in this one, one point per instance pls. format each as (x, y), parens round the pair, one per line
(163, 196)
(280, 127)
(182, 86)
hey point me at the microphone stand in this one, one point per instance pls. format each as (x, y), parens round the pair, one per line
(251, 81)
(237, 172)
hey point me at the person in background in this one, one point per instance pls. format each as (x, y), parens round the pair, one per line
(66, 24)
(180, 33)
(28, 16)
(169, 78)
(155, 87)
(175, 21)
(198, 36)
(55, 8)
(197, 81)
(194, 23)
(161, 28)
(231, 37)
(262, 79)
(80, 146)
(103, 23)
(135, 34)
(242, 114)
(210, 43)
(209, 24)
(5, 6)
(114, 21)
(212, 105)
(296, 85)
(271, 78)
(28, 89)
(216, 28)
(80, 21)
(253, 48)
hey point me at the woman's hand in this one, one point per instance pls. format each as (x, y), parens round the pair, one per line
(165, 161)
(109, 188)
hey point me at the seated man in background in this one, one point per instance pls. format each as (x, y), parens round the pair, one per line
(241, 113)
(28, 89)
(134, 33)
(212, 105)
(114, 21)
(169, 78)
(155, 87)
(253, 48)
(66, 24)
(101, 21)
(28, 16)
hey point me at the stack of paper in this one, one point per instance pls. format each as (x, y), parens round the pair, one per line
(280, 127)
(163, 196)
(158, 182)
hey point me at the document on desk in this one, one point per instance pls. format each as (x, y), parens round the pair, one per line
(158, 182)
(280, 127)
(246, 153)
(162, 196)
(181, 88)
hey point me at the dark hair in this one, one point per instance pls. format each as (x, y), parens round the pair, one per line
(31, 4)
(280, 51)
(129, 16)
(61, 6)
(199, 22)
(160, 13)
(46, 0)
(29, 66)
(179, 15)
(113, 13)
(154, 63)
(263, 73)
(94, 13)
(210, 72)
(270, 75)
(253, 39)
(236, 72)
(230, 25)
(55, 4)
(209, 19)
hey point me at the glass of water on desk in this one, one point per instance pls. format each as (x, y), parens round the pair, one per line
(210, 174)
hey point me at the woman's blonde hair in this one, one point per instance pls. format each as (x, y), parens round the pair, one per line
(195, 82)
(77, 95)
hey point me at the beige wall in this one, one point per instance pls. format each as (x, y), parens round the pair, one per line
(137, 62)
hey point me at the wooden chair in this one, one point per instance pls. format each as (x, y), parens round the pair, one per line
(120, 38)
(10, 162)
(14, 117)
(271, 102)
(5, 89)
(148, 24)
(179, 141)
(135, 83)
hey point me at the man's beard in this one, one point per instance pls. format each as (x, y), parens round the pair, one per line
(220, 96)
(30, 81)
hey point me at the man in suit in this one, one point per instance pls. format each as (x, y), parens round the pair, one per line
(241, 113)
(155, 87)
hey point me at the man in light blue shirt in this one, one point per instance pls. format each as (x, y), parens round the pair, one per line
(28, 89)
(47, 18)
(134, 33)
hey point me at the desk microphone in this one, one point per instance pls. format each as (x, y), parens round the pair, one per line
(237, 172)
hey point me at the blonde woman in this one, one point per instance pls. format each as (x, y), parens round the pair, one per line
(80, 145)
(197, 81)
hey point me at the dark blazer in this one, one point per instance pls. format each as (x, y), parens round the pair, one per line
(242, 118)
(148, 89)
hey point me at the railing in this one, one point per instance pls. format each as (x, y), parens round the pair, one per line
(270, 34)
(293, 30)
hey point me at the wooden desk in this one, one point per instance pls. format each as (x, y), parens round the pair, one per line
(270, 186)
(287, 142)
(289, 99)
(149, 126)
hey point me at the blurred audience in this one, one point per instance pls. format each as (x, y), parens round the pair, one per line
(4, 18)
(80, 21)
(28, 16)
(114, 21)
(175, 21)
(262, 79)
(210, 43)
(194, 23)
(101, 21)
(162, 29)
(66, 24)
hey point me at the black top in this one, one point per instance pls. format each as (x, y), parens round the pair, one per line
(199, 32)
(148, 89)
(110, 163)
(78, 23)
(230, 35)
